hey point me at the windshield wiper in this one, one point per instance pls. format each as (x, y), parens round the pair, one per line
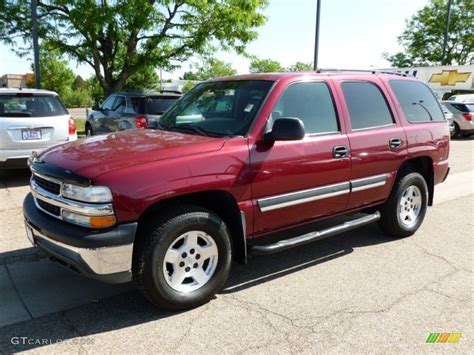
(190, 128)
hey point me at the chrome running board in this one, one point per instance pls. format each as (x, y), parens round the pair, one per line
(313, 236)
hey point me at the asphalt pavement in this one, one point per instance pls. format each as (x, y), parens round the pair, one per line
(357, 292)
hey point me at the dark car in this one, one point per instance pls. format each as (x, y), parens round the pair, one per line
(126, 110)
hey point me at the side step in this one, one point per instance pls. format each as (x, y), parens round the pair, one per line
(313, 236)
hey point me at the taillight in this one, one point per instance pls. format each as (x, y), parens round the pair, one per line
(141, 121)
(467, 116)
(72, 126)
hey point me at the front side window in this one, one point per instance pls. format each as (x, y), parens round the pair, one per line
(367, 105)
(312, 103)
(417, 101)
(109, 103)
(221, 108)
(120, 103)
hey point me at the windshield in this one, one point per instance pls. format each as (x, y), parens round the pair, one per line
(27, 105)
(158, 105)
(223, 108)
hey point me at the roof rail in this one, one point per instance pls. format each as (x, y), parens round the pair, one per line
(372, 71)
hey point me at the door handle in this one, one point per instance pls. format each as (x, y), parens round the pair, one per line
(341, 151)
(395, 143)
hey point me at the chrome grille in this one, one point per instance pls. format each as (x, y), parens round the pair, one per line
(47, 207)
(47, 185)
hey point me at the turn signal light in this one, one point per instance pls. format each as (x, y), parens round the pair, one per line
(102, 222)
(141, 121)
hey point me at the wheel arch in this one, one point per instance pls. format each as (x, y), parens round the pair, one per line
(220, 202)
(422, 165)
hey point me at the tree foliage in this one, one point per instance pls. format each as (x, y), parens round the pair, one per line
(209, 68)
(144, 79)
(265, 66)
(422, 39)
(117, 38)
(301, 66)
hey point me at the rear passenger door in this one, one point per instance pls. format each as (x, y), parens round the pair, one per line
(298, 181)
(377, 140)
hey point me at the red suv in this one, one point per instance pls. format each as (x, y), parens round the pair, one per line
(233, 162)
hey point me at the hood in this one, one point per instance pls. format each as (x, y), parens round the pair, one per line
(97, 155)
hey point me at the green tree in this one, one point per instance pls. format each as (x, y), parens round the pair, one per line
(188, 86)
(79, 83)
(301, 66)
(117, 38)
(265, 66)
(55, 73)
(144, 79)
(422, 39)
(209, 68)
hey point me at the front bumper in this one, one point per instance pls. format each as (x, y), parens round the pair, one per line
(103, 255)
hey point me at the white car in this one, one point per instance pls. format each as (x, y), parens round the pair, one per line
(31, 120)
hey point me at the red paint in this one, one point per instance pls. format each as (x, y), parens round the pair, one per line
(143, 167)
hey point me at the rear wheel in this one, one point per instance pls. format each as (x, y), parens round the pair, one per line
(88, 130)
(457, 131)
(183, 259)
(404, 211)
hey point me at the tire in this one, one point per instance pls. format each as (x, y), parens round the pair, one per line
(405, 209)
(89, 132)
(457, 131)
(168, 267)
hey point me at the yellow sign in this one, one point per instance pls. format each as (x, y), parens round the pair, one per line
(449, 77)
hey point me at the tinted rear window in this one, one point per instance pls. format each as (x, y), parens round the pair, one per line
(158, 105)
(366, 104)
(464, 107)
(417, 101)
(31, 106)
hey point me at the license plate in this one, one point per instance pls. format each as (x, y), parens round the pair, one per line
(30, 134)
(29, 234)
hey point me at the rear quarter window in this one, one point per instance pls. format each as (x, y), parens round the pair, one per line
(417, 101)
(31, 106)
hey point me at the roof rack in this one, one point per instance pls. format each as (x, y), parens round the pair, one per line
(372, 71)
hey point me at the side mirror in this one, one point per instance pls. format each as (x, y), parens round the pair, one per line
(285, 129)
(96, 107)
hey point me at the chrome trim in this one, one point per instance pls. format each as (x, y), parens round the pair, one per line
(70, 205)
(56, 181)
(368, 182)
(102, 261)
(244, 233)
(291, 199)
(313, 236)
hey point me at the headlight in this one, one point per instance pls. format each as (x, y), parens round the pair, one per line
(89, 221)
(87, 194)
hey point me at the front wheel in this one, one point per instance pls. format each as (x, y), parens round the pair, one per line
(183, 259)
(404, 211)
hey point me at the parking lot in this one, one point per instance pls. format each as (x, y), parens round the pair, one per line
(356, 292)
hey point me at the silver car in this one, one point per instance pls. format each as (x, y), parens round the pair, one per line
(449, 117)
(463, 113)
(31, 120)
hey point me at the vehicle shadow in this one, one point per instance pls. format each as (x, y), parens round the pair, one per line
(14, 178)
(130, 309)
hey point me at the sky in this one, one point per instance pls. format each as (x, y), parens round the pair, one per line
(353, 34)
